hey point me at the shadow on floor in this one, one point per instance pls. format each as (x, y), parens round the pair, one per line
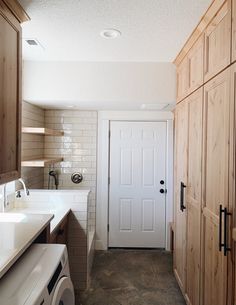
(128, 277)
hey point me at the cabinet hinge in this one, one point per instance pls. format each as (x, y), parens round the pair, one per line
(109, 133)
(109, 180)
(108, 227)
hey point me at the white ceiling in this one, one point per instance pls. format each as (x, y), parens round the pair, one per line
(152, 30)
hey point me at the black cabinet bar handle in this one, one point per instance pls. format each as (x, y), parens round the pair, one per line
(223, 244)
(182, 187)
(226, 248)
(220, 228)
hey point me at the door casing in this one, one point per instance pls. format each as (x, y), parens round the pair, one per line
(104, 118)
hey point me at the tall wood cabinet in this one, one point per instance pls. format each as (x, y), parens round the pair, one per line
(204, 250)
(194, 196)
(216, 189)
(188, 195)
(11, 14)
(181, 145)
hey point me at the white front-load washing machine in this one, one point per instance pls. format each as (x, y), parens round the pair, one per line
(40, 277)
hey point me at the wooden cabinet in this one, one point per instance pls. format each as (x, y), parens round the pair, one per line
(208, 253)
(217, 125)
(218, 42)
(190, 70)
(194, 196)
(10, 91)
(232, 183)
(195, 57)
(188, 167)
(181, 141)
(59, 235)
(233, 55)
(183, 79)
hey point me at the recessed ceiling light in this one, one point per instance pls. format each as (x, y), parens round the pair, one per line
(110, 33)
(71, 106)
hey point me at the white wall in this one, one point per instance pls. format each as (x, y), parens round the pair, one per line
(98, 85)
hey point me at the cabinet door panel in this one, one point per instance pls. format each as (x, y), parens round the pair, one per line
(216, 160)
(218, 42)
(10, 88)
(183, 79)
(232, 183)
(194, 196)
(196, 65)
(233, 30)
(181, 132)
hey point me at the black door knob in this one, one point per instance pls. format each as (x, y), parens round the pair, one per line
(162, 182)
(162, 191)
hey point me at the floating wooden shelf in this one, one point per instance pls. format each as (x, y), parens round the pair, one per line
(42, 131)
(40, 162)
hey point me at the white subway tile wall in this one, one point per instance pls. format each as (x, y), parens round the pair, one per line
(32, 145)
(78, 149)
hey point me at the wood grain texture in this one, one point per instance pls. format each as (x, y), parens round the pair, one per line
(190, 71)
(183, 81)
(194, 196)
(233, 56)
(200, 28)
(195, 57)
(10, 97)
(218, 42)
(215, 186)
(232, 185)
(17, 10)
(181, 141)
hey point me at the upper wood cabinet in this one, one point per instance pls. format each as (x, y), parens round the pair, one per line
(195, 57)
(183, 79)
(218, 42)
(10, 92)
(233, 30)
(190, 70)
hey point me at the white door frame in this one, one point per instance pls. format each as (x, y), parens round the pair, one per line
(102, 202)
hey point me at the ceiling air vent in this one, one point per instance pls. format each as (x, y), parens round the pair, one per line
(157, 106)
(32, 42)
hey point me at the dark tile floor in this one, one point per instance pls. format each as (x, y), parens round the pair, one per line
(128, 277)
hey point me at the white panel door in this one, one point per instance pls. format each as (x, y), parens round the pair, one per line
(137, 165)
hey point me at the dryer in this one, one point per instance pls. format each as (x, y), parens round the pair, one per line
(40, 277)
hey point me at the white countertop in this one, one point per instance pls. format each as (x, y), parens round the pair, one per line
(18, 231)
(59, 213)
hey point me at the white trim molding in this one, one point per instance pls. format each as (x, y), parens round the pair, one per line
(102, 206)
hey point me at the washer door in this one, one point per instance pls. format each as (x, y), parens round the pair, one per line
(64, 292)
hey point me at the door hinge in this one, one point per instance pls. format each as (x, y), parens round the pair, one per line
(109, 180)
(108, 227)
(109, 133)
